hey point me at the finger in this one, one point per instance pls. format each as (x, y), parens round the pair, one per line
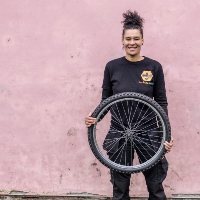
(87, 126)
(89, 123)
(168, 144)
(168, 150)
(172, 140)
(90, 120)
(90, 114)
(168, 147)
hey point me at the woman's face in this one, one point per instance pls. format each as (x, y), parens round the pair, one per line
(132, 42)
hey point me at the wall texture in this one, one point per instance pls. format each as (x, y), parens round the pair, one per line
(53, 54)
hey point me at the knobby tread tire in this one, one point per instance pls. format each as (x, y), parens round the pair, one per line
(121, 96)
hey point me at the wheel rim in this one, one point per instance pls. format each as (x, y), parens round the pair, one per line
(132, 135)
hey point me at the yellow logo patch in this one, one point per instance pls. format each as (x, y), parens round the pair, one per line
(147, 75)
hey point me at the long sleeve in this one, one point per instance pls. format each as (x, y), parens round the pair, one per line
(106, 93)
(159, 91)
(161, 99)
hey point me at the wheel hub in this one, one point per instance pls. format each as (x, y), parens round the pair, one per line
(129, 134)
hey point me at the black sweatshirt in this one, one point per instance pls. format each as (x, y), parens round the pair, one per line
(145, 77)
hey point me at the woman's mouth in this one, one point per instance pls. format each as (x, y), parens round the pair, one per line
(132, 48)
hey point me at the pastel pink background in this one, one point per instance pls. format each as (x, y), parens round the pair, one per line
(52, 58)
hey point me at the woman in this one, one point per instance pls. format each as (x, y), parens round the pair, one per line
(135, 73)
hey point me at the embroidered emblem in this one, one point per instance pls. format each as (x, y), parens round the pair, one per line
(148, 83)
(147, 75)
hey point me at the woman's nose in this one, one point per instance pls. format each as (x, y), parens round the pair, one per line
(132, 42)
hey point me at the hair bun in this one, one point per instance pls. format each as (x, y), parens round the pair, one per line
(132, 18)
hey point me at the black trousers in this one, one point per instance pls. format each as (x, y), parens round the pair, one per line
(153, 176)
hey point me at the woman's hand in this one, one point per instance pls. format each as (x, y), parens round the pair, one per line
(168, 145)
(90, 120)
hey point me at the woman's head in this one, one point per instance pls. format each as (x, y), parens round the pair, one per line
(132, 21)
(132, 36)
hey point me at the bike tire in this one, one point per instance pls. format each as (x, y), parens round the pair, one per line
(133, 137)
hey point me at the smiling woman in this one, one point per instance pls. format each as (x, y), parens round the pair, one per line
(133, 73)
(132, 35)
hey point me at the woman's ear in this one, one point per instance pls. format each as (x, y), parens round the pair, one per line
(142, 41)
(122, 43)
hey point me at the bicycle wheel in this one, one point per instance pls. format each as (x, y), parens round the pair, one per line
(130, 132)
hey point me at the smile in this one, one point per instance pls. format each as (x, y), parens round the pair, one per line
(132, 47)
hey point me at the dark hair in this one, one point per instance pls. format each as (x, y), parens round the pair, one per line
(132, 21)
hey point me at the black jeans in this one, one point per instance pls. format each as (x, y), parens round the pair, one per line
(153, 176)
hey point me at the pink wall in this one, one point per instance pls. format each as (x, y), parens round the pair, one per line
(53, 54)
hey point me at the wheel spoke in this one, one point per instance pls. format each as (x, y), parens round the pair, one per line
(140, 151)
(120, 152)
(144, 116)
(146, 122)
(145, 143)
(139, 113)
(117, 150)
(125, 114)
(119, 115)
(121, 124)
(135, 112)
(115, 142)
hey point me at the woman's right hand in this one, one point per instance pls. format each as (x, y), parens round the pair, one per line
(90, 120)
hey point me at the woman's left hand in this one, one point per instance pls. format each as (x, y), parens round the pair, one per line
(168, 145)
